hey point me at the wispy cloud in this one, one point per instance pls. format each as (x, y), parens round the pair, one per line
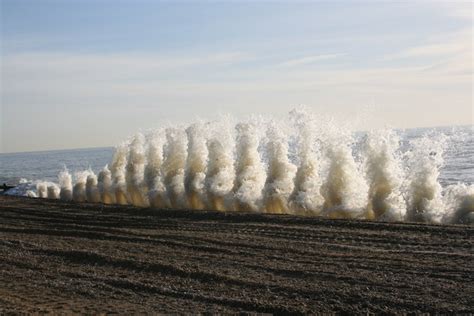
(309, 60)
(446, 54)
(457, 9)
(70, 62)
(428, 50)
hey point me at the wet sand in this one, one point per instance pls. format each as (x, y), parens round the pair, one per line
(89, 258)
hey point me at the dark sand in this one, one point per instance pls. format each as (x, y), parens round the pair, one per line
(84, 258)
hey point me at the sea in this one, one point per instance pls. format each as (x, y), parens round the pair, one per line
(301, 166)
(458, 165)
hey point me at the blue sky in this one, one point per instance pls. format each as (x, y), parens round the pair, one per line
(90, 73)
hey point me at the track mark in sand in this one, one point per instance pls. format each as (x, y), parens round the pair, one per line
(62, 257)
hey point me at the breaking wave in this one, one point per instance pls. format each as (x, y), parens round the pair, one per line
(303, 165)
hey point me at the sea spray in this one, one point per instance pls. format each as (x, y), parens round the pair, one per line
(458, 202)
(92, 190)
(65, 184)
(25, 187)
(104, 185)
(196, 164)
(119, 185)
(305, 165)
(30, 194)
(79, 189)
(53, 191)
(279, 182)
(135, 172)
(153, 177)
(384, 175)
(42, 190)
(220, 168)
(250, 172)
(424, 190)
(344, 188)
(306, 198)
(173, 166)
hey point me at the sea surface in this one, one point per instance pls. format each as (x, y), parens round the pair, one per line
(458, 156)
(45, 165)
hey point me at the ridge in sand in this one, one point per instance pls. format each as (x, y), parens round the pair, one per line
(92, 258)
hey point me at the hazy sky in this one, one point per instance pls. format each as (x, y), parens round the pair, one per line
(89, 73)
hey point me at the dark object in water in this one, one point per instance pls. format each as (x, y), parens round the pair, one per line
(6, 187)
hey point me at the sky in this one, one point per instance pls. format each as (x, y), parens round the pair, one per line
(89, 73)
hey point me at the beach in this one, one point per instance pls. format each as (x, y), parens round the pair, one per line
(66, 257)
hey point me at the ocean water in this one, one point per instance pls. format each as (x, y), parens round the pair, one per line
(45, 165)
(301, 165)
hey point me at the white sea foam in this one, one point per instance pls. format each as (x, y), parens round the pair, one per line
(104, 184)
(135, 172)
(344, 187)
(459, 204)
(65, 184)
(157, 196)
(196, 166)
(92, 189)
(79, 189)
(24, 188)
(42, 190)
(220, 168)
(250, 171)
(119, 184)
(384, 175)
(306, 198)
(425, 159)
(280, 173)
(304, 165)
(173, 167)
(53, 191)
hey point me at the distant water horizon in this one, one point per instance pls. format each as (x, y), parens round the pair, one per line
(46, 164)
(56, 149)
(425, 128)
(301, 165)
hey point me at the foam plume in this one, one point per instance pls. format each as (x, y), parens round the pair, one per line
(135, 172)
(65, 183)
(305, 165)
(250, 172)
(384, 174)
(173, 166)
(42, 190)
(153, 174)
(92, 189)
(104, 185)
(279, 182)
(344, 188)
(424, 191)
(220, 169)
(119, 162)
(53, 191)
(306, 198)
(459, 204)
(79, 189)
(196, 164)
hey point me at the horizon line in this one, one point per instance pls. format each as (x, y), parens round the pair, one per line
(113, 146)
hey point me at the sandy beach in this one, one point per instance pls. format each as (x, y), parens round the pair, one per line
(90, 258)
